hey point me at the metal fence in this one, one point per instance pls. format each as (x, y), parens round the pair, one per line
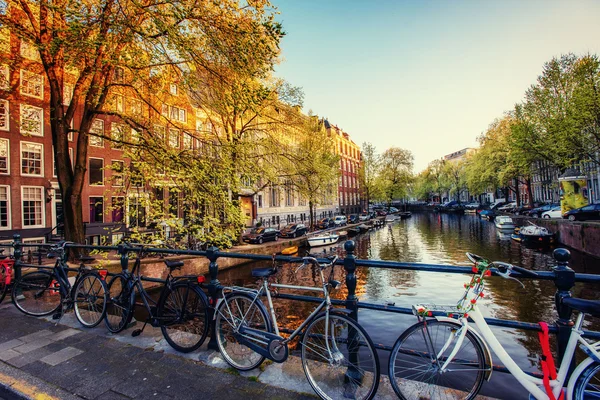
(563, 276)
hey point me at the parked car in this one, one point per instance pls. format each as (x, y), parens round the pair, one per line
(340, 220)
(393, 210)
(325, 223)
(381, 213)
(591, 211)
(521, 210)
(538, 211)
(554, 212)
(472, 206)
(260, 235)
(507, 208)
(353, 219)
(293, 230)
(364, 217)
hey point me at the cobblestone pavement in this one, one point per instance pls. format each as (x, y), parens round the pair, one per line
(39, 359)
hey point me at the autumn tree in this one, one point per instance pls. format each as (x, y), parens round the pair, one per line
(369, 169)
(91, 45)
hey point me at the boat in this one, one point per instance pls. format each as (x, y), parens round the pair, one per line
(405, 214)
(504, 222)
(342, 233)
(391, 218)
(364, 228)
(353, 231)
(535, 235)
(289, 250)
(323, 239)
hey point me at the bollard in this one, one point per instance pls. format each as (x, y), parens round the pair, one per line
(18, 254)
(564, 279)
(352, 373)
(213, 290)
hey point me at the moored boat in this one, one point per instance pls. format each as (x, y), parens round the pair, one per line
(289, 250)
(504, 222)
(323, 239)
(391, 218)
(364, 228)
(405, 214)
(535, 235)
(342, 233)
(353, 231)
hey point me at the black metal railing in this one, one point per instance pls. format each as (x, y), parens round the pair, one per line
(564, 279)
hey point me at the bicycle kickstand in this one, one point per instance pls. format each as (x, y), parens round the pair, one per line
(138, 332)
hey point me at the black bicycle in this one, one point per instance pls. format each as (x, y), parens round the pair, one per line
(45, 292)
(181, 310)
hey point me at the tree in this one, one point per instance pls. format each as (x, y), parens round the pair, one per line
(453, 174)
(395, 174)
(314, 166)
(92, 44)
(370, 166)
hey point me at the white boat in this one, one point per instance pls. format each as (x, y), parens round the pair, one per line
(504, 222)
(391, 218)
(323, 239)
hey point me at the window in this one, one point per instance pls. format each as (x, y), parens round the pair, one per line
(118, 103)
(32, 206)
(173, 89)
(117, 209)
(174, 138)
(31, 159)
(96, 171)
(135, 136)
(32, 84)
(260, 201)
(187, 141)
(159, 133)
(4, 40)
(174, 113)
(137, 212)
(4, 77)
(199, 126)
(29, 51)
(96, 133)
(274, 197)
(4, 160)
(4, 115)
(96, 209)
(4, 207)
(67, 93)
(135, 107)
(117, 134)
(117, 172)
(32, 120)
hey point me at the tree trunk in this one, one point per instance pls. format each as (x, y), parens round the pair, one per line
(311, 214)
(529, 192)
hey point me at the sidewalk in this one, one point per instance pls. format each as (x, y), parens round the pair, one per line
(41, 360)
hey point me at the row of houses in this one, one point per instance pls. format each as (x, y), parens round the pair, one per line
(30, 199)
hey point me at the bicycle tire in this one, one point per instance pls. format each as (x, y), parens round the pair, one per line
(175, 307)
(354, 370)
(90, 296)
(120, 305)
(228, 345)
(584, 388)
(37, 294)
(3, 285)
(427, 382)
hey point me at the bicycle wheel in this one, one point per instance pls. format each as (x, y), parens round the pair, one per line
(90, 298)
(119, 308)
(587, 386)
(234, 310)
(420, 352)
(183, 316)
(339, 358)
(37, 294)
(3, 285)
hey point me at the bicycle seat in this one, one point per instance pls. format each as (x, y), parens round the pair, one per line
(591, 307)
(174, 264)
(263, 272)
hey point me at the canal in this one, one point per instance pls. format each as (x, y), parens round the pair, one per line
(443, 239)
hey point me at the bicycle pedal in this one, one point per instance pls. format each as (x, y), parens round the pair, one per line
(136, 333)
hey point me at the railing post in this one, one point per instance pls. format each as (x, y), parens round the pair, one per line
(18, 254)
(564, 279)
(122, 250)
(350, 267)
(213, 291)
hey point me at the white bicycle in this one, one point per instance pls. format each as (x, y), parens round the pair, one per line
(443, 356)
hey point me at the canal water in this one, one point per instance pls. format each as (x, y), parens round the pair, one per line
(443, 239)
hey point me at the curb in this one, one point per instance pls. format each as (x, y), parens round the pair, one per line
(16, 384)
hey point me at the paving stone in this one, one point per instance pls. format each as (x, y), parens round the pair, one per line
(8, 354)
(28, 358)
(94, 386)
(110, 395)
(10, 344)
(36, 335)
(64, 334)
(61, 356)
(31, 346)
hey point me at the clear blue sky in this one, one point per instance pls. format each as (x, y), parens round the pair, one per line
(428, 76)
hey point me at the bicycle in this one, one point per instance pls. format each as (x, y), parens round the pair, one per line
(6, 268)
(443, 356)
(338, 357)
(180, 312)
(43, 292)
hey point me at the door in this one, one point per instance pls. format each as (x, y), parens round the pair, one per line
(57, 213)
(246, 203)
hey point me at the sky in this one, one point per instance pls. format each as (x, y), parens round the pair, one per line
(428, 76)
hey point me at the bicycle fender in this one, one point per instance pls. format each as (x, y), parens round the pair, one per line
(486, 350)
(580, 368)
